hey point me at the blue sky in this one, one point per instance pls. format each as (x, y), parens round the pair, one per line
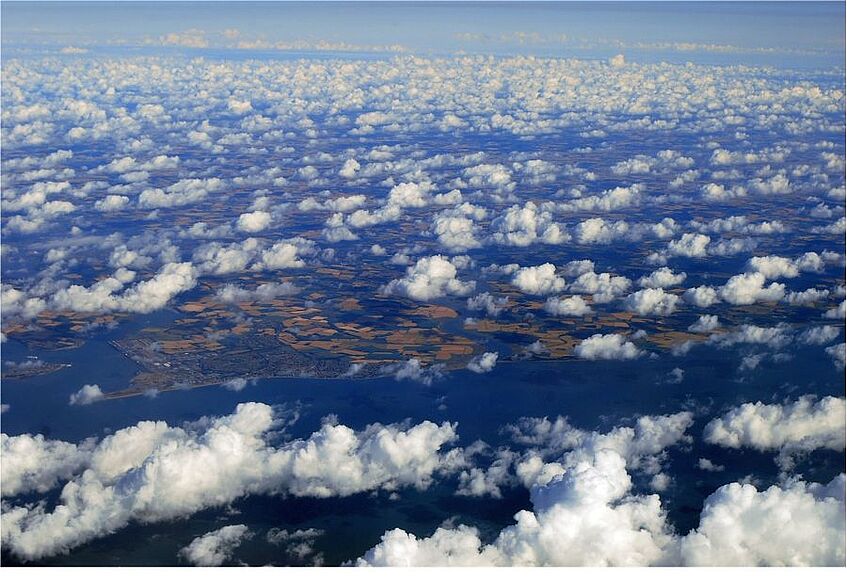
(807, 30)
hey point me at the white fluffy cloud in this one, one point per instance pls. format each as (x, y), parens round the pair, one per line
(838, 352)
(266, 291)
(583, 512)
(662, 278)
(775, 337)
(772, 267)
(803, 425)
(705, 323)
(111, 203)
(183, 192)
(642, 445)
(409, 195)
(839, 312)
(607, 347)
(414, 370)
(153, 472)
(338, 204)
(522, 226)
(737, 526)
(33, 463)
(651, 301)
(349, 169)
(583, 517)
(603, 287)
(489, 304)
(455, 233)
(538, 280)
(819, 335)
(570, 306)
(702, 296)
(254, 221)
(806, 297)
(216, 547)
(430, 278)
(609, 200)
(587, 516)
(218, 259)
(286, 254)
(86, 395)
(689, 245)
(146, 296)
(599, 231)
(483, 363)
(749, 288)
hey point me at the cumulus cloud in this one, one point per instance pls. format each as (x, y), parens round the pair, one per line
(341, 204)
(483, 363)
(607, 347)
(750, 288)
(216, 547)
(455, 233)
(111, 203)
(583, 512)
(603, 287)
(662, 278)
(806, 297)
(285, 153)
(487, 175)
(146, 296)
(219, 259)
(609, 200)
(737, 526)
(800, 426)
(819, 335)
(651, 301)
(588, 516)
(430, 278)
(414, 370)
(775, 337)
(33, 463)
(524, 225)
(349, 169)
(153, 472)
(599, 231)
(689, 245)
(268, 291)
(286, 254)
(183, 192)
(838, 354)
(702, 296)
(538, 279)
(839, 312)
(705, 323)
(739, 225)
(86, 395)
(554, 445)
(16, 303)
(254, 221)
(570, 306)
(489, 304)
(299, 544)
(570, 524)
(409, 195)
